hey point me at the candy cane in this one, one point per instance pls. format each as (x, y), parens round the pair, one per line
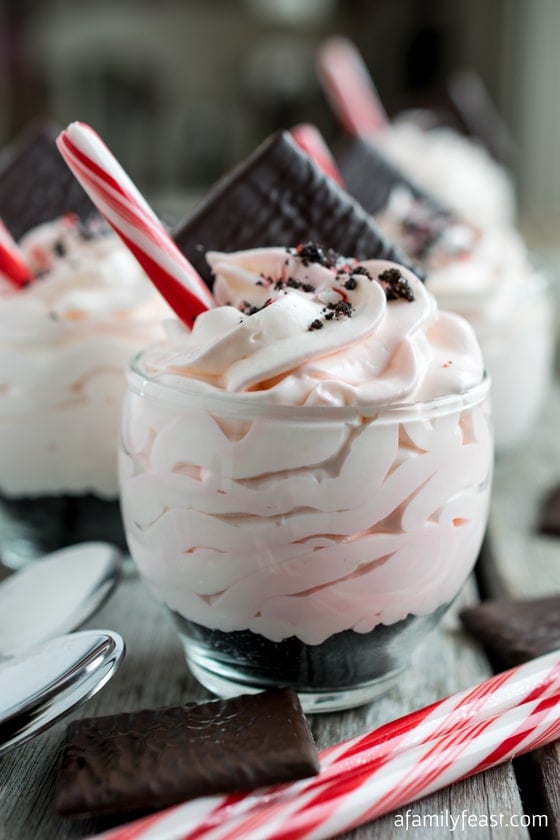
(311, 141)
(410, 775)
(446, 725)
(12, 261)
(126, 210)
(350, 89)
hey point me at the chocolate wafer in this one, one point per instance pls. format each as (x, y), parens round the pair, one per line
(151, 759)
(370, 178)
(35, 184)
(516, 630)
(472, 107)
(278, 196)
(549, 513)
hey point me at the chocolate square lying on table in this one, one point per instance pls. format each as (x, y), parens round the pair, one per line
(151, 759)
(278, 196)
(549, 513)
(516, 630)
(35, 183)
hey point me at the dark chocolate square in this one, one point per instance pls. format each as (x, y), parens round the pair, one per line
(154, 758)
(370, 178)
(516, 630)
(35, 183)
(278, 196)
(549, 513)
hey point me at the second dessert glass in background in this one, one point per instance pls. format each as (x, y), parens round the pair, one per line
(452, 209)
(65, 341)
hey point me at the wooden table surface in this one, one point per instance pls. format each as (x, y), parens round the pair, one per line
(515, 562)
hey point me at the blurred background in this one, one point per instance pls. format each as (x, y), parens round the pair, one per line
(183, 89)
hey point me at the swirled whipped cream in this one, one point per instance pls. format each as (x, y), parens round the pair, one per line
(266, 483)
(65, 340)
(83, 273)
(476, 273)
(486, 276)
(309, 328)
(456, 170)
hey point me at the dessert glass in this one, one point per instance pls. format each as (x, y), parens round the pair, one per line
(61, 387)
(516, 334)
(508, 302)
(305, 546)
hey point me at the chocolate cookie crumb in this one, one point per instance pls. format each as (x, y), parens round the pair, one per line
(299, 284)
(248, 308)
(342, 309)
(315, 325)
(313, 253)
(396, 286)
(549, 518)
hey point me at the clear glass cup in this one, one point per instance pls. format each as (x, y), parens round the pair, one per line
(517, 338)
(61, 388)
(309, 547)
(519, 356)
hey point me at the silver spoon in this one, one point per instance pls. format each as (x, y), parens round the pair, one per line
(55, 594)
(50, 679)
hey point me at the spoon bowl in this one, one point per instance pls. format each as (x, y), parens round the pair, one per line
(56, 594)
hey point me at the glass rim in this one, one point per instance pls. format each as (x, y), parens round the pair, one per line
(243, 405)
(536, 284)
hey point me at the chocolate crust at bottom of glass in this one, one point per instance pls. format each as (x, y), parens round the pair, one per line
(346, 670)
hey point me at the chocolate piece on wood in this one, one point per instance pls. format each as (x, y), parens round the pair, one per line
(516, 630)
(549, 514)
(278, 196)
(151, 759)
(35, 183)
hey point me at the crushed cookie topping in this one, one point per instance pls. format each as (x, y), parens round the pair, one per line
(342, 309)
(317, 324)
(248, 308)
(313, 253)
(395, 285)
(298, 284)
(361, 269)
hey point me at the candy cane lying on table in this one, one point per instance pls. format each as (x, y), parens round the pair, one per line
(126, 210)
(510, 713)
(400, 780)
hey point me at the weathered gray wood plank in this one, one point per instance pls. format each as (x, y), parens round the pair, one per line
(154, 674)
(521, 563)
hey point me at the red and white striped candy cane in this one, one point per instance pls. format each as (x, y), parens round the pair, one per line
(311, 141)
(126, 210)
(350, 88)
(402, 779)
(12, 261)
(345, 765)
